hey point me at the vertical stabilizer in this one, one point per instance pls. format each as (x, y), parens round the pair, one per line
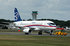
(17, 16)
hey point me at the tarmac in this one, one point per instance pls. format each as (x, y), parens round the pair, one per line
(21, 33)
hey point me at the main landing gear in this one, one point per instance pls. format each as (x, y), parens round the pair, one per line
(40, 33)
(28, 32)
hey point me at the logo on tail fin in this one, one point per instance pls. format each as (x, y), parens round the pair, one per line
(17, 16)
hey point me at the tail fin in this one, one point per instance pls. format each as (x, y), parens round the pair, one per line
(17, 16)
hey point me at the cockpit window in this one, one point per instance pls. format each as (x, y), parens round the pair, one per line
(51, 24)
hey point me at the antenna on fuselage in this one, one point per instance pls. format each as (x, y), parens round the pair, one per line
(34, 15)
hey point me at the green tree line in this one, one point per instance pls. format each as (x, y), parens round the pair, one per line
(61, 23)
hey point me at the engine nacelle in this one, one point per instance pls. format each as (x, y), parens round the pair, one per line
(26, 30)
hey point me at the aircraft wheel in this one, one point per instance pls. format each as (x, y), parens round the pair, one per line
(40, 33)
(30, 31)
(26, 33)
(50, 34)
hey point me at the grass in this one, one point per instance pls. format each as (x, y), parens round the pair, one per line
(30, 40)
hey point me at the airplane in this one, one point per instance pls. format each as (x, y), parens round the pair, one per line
(28, 26)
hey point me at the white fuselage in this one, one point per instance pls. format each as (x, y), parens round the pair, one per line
(36, 24)
(29, 26)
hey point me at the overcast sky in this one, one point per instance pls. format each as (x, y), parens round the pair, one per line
(49, 9)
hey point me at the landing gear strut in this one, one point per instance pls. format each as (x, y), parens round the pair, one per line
(51, 32)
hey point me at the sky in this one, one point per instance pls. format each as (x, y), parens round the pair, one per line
(48, 9)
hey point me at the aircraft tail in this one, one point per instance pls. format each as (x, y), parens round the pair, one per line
(17, 16)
